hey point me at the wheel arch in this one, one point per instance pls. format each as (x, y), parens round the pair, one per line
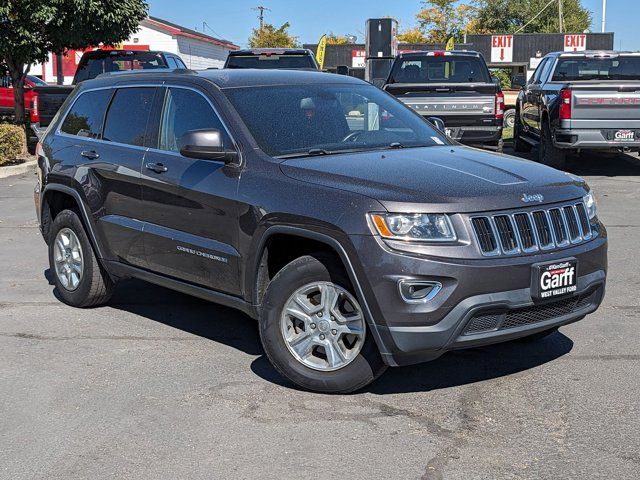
(329, 244)
(56, 198)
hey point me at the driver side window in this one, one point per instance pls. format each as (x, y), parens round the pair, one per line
(185, 110)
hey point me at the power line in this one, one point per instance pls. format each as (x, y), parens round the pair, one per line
(261, 9)
(536, 16)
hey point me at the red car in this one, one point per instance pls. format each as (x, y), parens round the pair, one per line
(30, 97)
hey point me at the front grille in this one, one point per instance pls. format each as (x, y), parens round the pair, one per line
(530, 231)
(483, 322)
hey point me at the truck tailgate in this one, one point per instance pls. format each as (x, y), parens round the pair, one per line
(605, 105)
(456, 104)
(50, 99)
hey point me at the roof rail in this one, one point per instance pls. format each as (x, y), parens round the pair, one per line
(143, 71)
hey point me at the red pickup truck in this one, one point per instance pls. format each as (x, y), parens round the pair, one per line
(30, 97)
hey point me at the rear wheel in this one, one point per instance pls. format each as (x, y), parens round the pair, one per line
(548, 153)
(313, 328)
(79, 279)
(519, 145)
(509, 118)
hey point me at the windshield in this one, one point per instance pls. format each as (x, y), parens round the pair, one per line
(574, 69)
(92, 67)
(443, 69)
(271, 61)
(301, 120)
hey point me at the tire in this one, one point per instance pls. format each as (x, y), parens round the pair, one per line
(548, 153)
(500, 146)
(91, 285)
(537, 336)
(313, 372)
(519, 145)
(509, 118)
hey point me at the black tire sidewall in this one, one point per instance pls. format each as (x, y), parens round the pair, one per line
(69, 219)
(365, 368)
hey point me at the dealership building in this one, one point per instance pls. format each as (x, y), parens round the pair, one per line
(520, 52)
(198, 50)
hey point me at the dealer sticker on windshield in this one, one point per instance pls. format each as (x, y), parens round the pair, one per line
(550, 280)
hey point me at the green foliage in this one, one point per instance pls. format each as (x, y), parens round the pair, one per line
(413, 35)
(503, 76)
(271, 37)
(333, 39)
(508, 16)
(13, 142)
(443, 19)
(30, 29)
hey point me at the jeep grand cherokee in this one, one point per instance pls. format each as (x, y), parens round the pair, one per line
(355, 233)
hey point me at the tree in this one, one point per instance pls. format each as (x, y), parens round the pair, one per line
(443, 19)
(508, 16)
(333, 39)
(413, 35)
(30, 29)
(271, 37)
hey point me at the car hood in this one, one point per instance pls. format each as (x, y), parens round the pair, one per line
(439, 179)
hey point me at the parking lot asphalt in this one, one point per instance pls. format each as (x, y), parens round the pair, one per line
(161, 385)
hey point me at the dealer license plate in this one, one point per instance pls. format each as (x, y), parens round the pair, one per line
(624, 136)
(554, 279)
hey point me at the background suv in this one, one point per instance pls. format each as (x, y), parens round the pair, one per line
(354, 231)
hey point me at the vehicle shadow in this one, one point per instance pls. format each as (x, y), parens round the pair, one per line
(591, 163)
(237, 330)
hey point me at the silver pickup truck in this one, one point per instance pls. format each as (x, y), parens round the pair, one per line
(583, 100)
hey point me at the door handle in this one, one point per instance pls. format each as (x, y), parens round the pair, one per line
(156, 167)
(90, 154)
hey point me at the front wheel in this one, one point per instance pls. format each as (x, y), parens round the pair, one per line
(313, 329)
(519, 145)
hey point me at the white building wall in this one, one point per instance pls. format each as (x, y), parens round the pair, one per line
(155, 39)
(198, 55)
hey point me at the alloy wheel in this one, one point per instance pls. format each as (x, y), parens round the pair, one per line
(68, 259)
(323, 326)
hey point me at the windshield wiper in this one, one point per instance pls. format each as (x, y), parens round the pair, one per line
(312, 152)
(396, 145)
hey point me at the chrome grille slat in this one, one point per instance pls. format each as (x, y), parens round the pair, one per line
(531, 230)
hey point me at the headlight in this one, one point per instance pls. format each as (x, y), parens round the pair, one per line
(434, 227)
(590, 204)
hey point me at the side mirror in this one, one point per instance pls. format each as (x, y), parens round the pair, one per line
(436, 122)
(342, 70)
(207, 144)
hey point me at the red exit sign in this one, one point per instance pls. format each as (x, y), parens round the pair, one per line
(501, 48)
(575, 43)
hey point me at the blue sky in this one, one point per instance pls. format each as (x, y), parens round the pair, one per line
(234, 19)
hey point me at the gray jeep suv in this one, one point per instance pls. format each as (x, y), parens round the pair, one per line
(355, 233)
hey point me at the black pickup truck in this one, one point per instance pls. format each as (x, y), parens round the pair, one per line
(272, 58)
(456, 87)
(91, 65)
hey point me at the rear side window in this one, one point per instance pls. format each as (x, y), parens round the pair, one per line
(574, 69)
(180, 63)
(270, 61)
(185, 110)
(128, 115)
(442, 69)
(86, 115)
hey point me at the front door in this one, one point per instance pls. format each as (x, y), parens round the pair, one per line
(190, 212)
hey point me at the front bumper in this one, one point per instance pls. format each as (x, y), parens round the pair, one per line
(592, 139)
(498, 289)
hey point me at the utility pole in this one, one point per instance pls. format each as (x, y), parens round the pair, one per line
(261, 9)
(604, 14)
(560, 19)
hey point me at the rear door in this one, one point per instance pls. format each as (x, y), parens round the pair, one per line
(117, 164)
(190, 214)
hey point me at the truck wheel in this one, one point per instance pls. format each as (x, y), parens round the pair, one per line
(79, 279)
(548, 153)
(519, 145)
(509, 118)
(313, 329)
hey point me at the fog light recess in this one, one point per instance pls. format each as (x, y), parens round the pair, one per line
(416, 291)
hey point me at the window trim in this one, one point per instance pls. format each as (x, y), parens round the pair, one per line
(59, 132)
